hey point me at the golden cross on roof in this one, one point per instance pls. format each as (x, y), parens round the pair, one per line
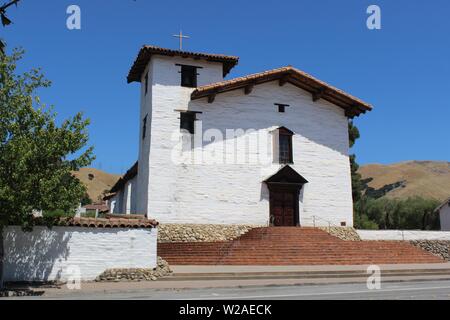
(181, 36)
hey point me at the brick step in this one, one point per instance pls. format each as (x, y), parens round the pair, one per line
(324, 257)
(348, 261)
(307, 259)
(292, 246)
(294, 252)
(286, 245)
(303, 260)
(300, 257)
(293, 263)
(289, 262)
(299, 249)
(282, 244)
(309, 274)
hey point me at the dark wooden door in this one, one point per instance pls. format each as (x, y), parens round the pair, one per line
(283, 207)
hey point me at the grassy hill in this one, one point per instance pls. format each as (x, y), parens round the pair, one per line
(96, 181)
(428, 179)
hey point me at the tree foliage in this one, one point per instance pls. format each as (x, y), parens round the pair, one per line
(36, 154)
(374, 211)
(357, 185)
(361, 220)
(405, 214)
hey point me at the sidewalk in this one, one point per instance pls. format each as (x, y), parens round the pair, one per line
(196, 277)
(302, 268)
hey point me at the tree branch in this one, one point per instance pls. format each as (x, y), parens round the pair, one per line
(7, 5)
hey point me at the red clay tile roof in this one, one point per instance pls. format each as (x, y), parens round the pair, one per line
(108, 223)
(318, 88)
(147, 51)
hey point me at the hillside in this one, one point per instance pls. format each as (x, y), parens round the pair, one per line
(428, 179)
(96, 181)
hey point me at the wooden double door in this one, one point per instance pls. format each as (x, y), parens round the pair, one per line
(284, 207)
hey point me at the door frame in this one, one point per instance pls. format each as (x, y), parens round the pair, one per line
(286, 179)
(285, 187)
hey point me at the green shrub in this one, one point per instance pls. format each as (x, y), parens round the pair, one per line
(384, 213)
(58, 213)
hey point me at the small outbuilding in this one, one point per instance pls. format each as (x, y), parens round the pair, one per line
(444, 215)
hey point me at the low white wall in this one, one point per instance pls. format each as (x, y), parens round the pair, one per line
(54, 254)
(403, 235)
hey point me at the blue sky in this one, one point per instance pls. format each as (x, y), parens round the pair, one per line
(402, 69)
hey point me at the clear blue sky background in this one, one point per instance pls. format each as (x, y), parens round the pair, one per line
(403, 69)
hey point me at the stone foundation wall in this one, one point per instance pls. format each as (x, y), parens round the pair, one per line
(343, 233)
(200, 232)
(136, 274)
(439, 248)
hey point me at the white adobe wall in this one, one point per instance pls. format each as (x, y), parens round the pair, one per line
(50, 254)
(113, 204)
(403, 235)
(164, 85)
(444, 216)
(126, 199)
(144, 144)
(126, 204)
(118, 198)
(133, 195)
(235, 194)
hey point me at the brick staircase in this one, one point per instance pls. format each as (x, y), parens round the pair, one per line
(292, 246)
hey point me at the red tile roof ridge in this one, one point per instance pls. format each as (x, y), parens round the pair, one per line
(286, 69)
(107, 222)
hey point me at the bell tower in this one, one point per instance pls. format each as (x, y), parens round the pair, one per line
(167, 78)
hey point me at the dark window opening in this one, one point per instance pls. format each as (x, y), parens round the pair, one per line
(146, 83)
(188, 76)
(285, 146)
(144, 127)
(281, 107)
(187, 121)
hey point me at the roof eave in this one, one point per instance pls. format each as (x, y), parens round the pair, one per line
(145, 53)
(352, 105)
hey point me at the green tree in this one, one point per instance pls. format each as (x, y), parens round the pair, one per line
(360, 220)
(357, 185)
(85, 200)
(405, 214)
(36, 154)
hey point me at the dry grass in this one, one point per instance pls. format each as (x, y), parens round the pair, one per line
(428, 179)
(100, 182)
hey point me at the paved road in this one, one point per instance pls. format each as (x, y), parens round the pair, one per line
(400, 290)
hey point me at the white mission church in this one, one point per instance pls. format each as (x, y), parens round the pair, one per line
(266, 148)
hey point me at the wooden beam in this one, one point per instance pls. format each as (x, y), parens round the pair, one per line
(349, 113)
(353, 111)
(211, 98)
(248, 89)
(283, 80)
(318, 94)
